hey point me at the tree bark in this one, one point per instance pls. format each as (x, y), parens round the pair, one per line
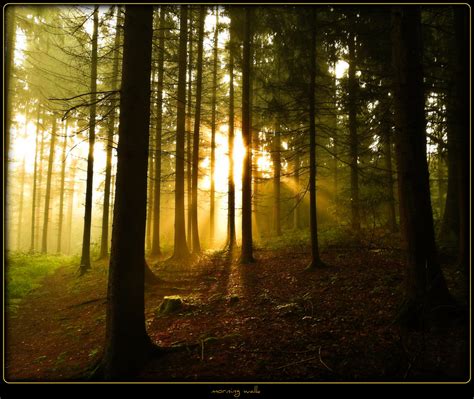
(247, 245)
(276, 181)
(47, 198)
(104, 240)
(61, 191)
(180, 246)
(231, 238)
(313, 217)
(86, 238)
(155, 248)
(425, 283)
(353, 139)
(196, 245)
(35, 179)
(213, 131)
(127, 345)
(20, 203)
(462, 118)
(72, 183)
(188, 132)
(9, 51)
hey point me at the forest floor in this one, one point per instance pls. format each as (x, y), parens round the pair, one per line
(266, 321)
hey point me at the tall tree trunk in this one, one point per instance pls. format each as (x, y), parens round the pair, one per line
(61, 191)
(9, 51)
(296, 177)
(213, 130)
(276, 181)
(247, 245)
(188, 132)
(196, 245)
(425, 283)
(231, 238)
(353, 139)
(462, 117)
(86, 239)
(313, 217)
(40, 180)
(47, 198)
(104, 238)
(386, 136)
(20, 203)
(150, 202)
(127, 344)
(155, 247)
(35, 179)
(72, 183)
(180, 246)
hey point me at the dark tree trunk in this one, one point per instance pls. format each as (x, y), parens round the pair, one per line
(150, 201)
(313, 217)
(188, 132)
(353, 139)
(72, 183)
(247, 245)
(61, 192)
(180, 246)
(127, 345)
(425, 283)
(296, 174)
(35, 179)
(155, 247)
(105, 241)
(231, 239)
(47, 197)
(86, 238)
(276, 181)
(196, 245)
(40, 181)
(213, 131)
(20, 204)
(9, 50)
(462, 85)
(386, 136)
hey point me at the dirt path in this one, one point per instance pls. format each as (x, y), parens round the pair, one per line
(267, 321)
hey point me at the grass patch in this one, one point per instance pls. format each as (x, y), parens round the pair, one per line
(24, 271)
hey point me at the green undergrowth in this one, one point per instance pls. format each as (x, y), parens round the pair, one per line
(24, 271)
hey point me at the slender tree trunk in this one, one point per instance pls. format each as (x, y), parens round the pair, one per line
(335, 148)
(387, 149)
(61, 191)
(425, 283)
(213, 130)
(188, 132)
(20, 204)
(9, 50)
(180, 246)
(40, 181)
(127, 344)
(72, 184)
(297, 206)
(196, 245)
(276, 181)
(150, 201)
(104, 240)
(231, 238)
(155, 248)
(86, 239)
(35, 177)
(247, 245)
(313, 217)
(44, 238)
(439, 174)
(353, 139)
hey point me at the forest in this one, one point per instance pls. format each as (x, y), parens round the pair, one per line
(232, 193)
